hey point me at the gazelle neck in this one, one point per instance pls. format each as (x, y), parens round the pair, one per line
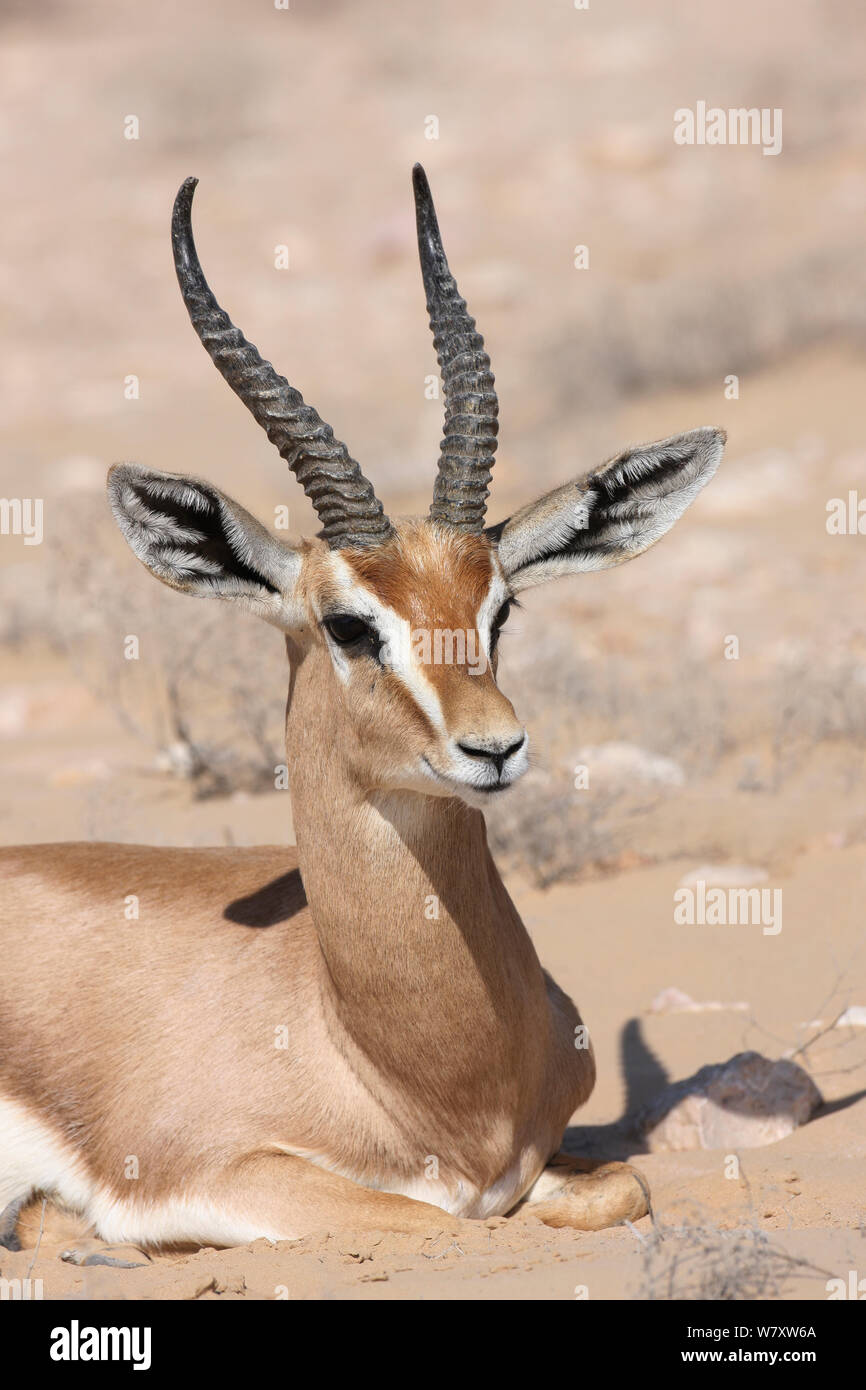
(419, 938)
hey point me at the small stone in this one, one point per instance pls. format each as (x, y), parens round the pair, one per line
(675, 1001)
(724, 876)
(625, 766)
(855, 1017)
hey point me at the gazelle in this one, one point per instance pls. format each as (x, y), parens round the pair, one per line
(358, 1034)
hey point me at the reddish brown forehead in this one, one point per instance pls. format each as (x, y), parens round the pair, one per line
(427, 574)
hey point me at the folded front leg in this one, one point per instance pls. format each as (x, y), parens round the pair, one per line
(586, 1194)
(283, 1197)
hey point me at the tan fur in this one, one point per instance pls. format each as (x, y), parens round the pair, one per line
(422, 1034)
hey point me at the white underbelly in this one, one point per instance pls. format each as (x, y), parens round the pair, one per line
(34, 1158)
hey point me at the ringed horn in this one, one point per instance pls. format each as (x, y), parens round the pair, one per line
(471, 408)
(347, 506)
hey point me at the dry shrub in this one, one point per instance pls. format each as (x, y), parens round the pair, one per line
(704, 1263)
(207, 691)
(549, 829)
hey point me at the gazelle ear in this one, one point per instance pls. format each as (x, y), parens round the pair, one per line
(611, 514)
(194, 538)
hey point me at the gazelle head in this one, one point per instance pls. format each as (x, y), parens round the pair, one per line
(392, 627)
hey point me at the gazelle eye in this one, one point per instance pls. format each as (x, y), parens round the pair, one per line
(346, 629)
(502, 616)
(499, 621)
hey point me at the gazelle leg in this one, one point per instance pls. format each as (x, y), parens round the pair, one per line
(283, 1198)
(587, 1195)
(276, 1196)
(95, 1252)
(41, 1223)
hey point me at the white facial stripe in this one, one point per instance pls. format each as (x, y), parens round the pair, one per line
(495, 597)
(396, 635)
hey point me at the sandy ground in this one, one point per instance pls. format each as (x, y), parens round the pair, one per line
(700, 269)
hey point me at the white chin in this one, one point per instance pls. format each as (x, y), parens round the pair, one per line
(474, 796)
(431, 783)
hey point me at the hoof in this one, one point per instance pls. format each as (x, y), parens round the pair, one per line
(116, 1256)
(591, 1197)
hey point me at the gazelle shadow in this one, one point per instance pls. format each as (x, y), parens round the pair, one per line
(644, 1077)
(274, 902)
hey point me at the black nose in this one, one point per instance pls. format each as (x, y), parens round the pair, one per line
(497, 756)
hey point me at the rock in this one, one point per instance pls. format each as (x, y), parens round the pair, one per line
(676, 1001)
(854, 1017)
(724, 876)
(621, 766)
(743, 1103)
